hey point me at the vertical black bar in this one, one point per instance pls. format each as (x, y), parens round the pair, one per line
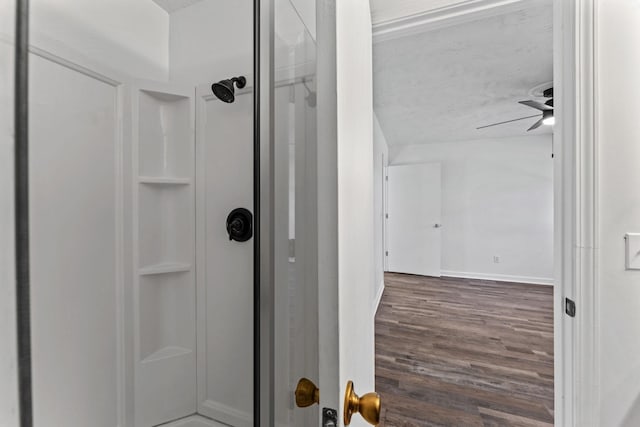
(256, 213)
(21, 170)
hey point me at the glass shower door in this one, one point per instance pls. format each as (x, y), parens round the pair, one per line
(294, 175)
(8, 362)
(142, 305)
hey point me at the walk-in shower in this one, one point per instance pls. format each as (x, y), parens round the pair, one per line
(137, 274)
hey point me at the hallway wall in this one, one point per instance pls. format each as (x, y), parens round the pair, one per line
(380, 161)
(618, 139)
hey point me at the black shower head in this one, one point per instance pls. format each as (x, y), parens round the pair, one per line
(225, 90)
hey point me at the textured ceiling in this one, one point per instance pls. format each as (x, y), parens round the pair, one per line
(440, 85)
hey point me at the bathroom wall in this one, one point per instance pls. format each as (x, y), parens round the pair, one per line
(128, 35)
(211, 40)
(75, 218)
(82, 54)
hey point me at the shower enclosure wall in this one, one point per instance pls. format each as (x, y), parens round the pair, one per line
(142, 305)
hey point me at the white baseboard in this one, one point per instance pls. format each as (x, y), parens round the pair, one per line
(499, 277)
(376, 304)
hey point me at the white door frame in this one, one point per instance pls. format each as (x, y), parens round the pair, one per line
(575, 185)
(576, 216)
(575, 188)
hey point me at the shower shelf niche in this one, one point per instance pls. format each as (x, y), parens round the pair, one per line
(159, 180)
(165, 268)
(164, 304)
(165, 227)
(165, 127)
(164, 288)
(163, 353)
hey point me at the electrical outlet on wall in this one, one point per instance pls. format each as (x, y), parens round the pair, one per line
(496, 259)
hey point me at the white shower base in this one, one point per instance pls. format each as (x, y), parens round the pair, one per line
(194, 421)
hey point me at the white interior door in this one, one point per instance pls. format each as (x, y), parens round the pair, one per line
(323, 215)
(415, 219)
(346, 288)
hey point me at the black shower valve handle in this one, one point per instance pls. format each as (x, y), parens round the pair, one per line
(240, 225)
(234, 228)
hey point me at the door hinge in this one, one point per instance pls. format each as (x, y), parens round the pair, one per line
(329, 417)
(386, 253)
(386, 178)
(570, 307)
(386, 216)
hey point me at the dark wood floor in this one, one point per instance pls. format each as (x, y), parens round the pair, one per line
(459, 352)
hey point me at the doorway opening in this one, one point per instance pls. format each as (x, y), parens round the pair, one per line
(464, 165)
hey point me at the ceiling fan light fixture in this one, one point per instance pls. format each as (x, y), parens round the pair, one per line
(547, 118)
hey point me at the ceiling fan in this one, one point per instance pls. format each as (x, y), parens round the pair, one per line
(546, 108)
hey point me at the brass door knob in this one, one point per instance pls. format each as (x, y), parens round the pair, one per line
(306, 393)
(368, 406)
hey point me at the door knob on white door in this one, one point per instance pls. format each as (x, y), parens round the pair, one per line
(437, 225)
(307, 393)
(368, 406)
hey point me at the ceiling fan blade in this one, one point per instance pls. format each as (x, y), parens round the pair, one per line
(536, 125)
(537, 105)
(508, 121)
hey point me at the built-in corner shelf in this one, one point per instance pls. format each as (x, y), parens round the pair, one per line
(161, 180)
(166, 352)
(164, 286)
(165, 268)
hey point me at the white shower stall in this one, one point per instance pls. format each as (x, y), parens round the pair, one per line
(141, 304)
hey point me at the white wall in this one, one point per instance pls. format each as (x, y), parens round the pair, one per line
(618, 108)
(380, 160)
(225, 288)
(306, 10)
(211, 40)
(74, 155)
(129, 35)
(497, 199)
(75, 137)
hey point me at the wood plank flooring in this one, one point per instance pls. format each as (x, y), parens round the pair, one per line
(460, 352)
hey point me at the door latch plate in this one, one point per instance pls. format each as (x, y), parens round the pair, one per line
(570, 307)
(329, 417)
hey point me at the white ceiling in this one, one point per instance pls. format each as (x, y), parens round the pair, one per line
(440, 85)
